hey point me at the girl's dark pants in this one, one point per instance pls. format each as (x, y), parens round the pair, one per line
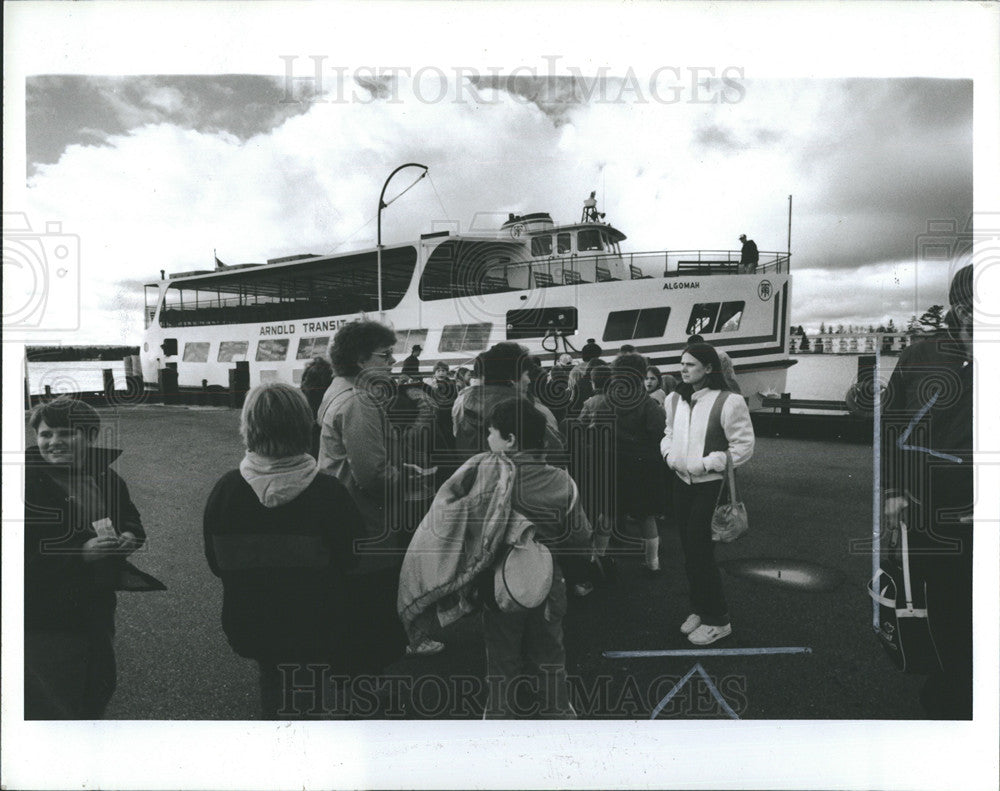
(693, 506)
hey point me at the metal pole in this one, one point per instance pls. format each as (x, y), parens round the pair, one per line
(383, 205)
(788, 248)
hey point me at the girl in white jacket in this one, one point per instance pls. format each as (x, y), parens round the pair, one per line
(704, 421)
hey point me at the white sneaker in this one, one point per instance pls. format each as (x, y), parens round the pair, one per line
(693, 622)
(425, 648)
(706, 634)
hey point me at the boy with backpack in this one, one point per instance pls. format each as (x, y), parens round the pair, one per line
(532, 639)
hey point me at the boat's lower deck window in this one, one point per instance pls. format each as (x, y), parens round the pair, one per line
(407, 339)
(196, 352)
(312, 347)
(625, 325)
(537, 322)
(707, 317)
(730, 316)
(464, 337)
(271, 350)
(230, 350)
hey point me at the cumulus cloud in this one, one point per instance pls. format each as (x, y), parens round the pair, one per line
(185, 166)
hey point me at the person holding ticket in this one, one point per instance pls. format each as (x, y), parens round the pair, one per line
(79, 525)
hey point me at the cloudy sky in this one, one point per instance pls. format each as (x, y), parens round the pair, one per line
(154, 172)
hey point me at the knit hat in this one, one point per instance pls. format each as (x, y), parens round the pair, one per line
(591, 350)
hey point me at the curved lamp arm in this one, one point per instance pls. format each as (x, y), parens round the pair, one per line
(383, 205)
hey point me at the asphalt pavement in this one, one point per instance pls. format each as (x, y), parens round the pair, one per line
(802, 645)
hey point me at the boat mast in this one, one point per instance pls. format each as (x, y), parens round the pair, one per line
(788, 248)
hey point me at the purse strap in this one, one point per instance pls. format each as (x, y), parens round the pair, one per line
(731, 481)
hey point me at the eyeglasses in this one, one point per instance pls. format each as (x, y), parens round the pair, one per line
(384, 355)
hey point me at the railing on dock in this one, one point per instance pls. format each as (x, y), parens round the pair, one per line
(786, 404)
(851, 343)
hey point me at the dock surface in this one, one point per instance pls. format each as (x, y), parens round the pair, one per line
(808, 501)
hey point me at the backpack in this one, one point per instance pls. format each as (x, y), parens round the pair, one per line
(523, 574)
(904, 628)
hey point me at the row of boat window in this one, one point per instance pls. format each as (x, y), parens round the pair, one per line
(622, 325)
(586, 241)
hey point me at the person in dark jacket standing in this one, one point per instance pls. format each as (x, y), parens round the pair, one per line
(749, 256)
(635, 420)
(79, 524)
(279, 534)
(411, 365)
(928, 471)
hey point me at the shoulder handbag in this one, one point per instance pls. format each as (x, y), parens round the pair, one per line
(904, 629)
(729, 521)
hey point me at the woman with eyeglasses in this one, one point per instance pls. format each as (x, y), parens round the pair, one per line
(355, 446)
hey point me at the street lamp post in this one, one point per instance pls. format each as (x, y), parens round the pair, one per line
(383, 205)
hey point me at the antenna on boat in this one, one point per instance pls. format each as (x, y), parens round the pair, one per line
(383, 205)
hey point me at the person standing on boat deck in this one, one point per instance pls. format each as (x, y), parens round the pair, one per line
(704, 422)
(79, 525)
(285, 606)
(355, 442)
(929, 473)
(749, 256)
(411, 365)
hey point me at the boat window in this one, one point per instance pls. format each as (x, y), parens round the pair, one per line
(196, 352)
(338, 286)
(230, 350)
(459, 268)
(589, 239)
(537, 322)
(464, 337)
(271, 350)
(702, 318)
(623, 325)
(541, 245)
(312, 347)
(563, 243)
(730, 316)
(406, 340)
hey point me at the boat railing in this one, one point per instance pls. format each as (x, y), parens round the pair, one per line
(666, 263)
(591, 268)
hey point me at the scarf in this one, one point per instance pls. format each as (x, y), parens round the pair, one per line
(278, 481)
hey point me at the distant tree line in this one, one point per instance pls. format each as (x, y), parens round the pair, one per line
(931, 320)
(74, 353)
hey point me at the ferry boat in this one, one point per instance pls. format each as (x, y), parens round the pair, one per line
(549, 287)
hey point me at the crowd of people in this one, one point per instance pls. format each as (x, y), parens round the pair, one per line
(372, 508)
